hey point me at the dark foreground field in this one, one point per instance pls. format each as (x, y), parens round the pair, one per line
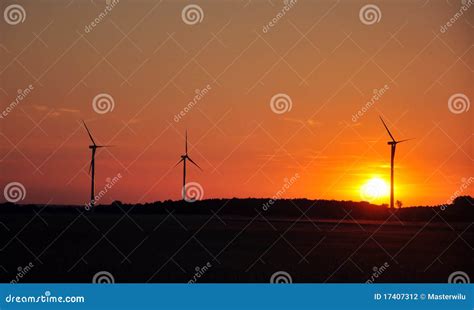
(73, 246)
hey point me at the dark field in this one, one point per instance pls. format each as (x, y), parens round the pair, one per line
(73, 246)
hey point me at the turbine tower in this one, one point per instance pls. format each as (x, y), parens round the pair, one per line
(93, 148)
(393, 146)
(183, 159)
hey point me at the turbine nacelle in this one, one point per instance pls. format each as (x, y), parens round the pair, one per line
(396, 142)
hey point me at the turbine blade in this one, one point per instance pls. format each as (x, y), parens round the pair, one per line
(405, 140)
(104, 146)
(387, 129)
(178, 162)
(90, 136)
(194, 163)
(90, 167)
(186, 143)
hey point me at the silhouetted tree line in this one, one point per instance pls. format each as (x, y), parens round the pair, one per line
(461, 209)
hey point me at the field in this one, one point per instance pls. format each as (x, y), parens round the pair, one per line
(74, 246)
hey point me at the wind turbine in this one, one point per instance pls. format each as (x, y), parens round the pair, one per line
(185, 157)
(93, 148)
(393, 145)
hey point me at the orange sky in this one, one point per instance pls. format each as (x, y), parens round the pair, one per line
(320, 54)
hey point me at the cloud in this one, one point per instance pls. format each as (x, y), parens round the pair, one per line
(69, 110)
(308, 122)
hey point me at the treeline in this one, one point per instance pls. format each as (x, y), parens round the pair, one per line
(461, 209)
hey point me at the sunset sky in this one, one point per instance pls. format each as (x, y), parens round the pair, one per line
(320, 54)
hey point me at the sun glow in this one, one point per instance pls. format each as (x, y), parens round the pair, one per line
(374, 189)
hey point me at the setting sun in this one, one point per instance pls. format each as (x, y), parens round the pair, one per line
(374, 189)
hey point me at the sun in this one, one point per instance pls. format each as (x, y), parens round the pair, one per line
(374, 189)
